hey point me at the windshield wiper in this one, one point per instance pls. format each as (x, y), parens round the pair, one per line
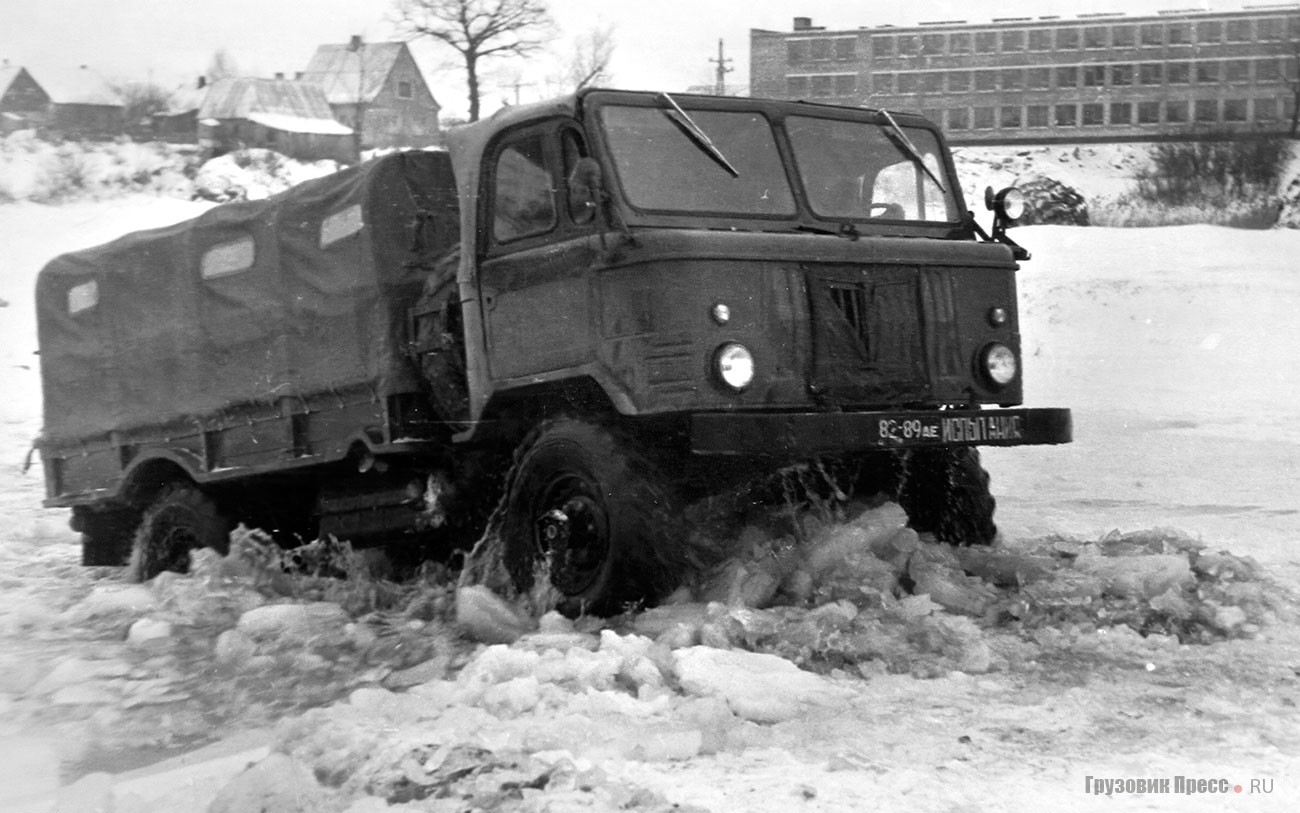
(701, 138)
(910, 148)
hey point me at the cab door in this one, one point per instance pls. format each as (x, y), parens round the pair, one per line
(535, 271)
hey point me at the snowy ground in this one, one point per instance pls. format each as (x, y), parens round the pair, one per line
(1177, 348)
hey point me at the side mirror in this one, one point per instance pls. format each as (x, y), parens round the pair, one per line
(586, 190)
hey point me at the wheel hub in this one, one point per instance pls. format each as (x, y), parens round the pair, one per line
(572, 537)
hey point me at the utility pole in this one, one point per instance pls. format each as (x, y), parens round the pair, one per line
(723, 63)
(358, 46)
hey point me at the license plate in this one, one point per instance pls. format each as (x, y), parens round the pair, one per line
(937, 428)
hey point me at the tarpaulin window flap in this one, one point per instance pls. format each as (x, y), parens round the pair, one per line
(83, 297)
(170, 341)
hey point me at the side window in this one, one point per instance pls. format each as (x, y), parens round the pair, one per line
(343, 223)
(523, 197)
(227, 258)
(83, 297)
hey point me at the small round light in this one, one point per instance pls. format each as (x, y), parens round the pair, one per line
(999, 363)
(998, 317)
(1012, 203)
(735, 365)
(721, 313)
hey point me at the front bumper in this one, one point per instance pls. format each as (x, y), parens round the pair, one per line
(811, 433)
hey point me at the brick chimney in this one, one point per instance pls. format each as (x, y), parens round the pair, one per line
(803, 23)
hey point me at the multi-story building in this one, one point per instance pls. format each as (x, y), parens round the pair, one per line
(1036, 79)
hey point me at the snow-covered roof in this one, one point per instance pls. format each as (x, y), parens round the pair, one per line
(298, 124)
(242, 98)
(8, 73)
(344, 72)
(82, 85)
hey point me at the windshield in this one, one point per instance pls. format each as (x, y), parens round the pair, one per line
(855, 170)
(663, 167)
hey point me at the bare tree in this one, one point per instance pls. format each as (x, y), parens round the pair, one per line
(222, 66)
(478, 29)
(140, 100)
(589, 63)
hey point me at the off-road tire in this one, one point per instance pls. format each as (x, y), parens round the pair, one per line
(946, 492)
(622, 540)
(180, 519)
(106, 536)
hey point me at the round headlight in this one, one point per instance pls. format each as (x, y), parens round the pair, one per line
(1011, 203)
(735, 365)
(999, 364)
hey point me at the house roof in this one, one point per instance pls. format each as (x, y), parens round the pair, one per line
(81, 85)
(344, 73)
(8, 73)
(299, 106)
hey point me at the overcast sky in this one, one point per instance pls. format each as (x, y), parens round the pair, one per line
(659, 43)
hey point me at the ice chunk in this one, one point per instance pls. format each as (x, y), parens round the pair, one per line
(1138, 576)
(292, 623)
(756, 686)
(276, 783)
(484, 616)
(149, 633)
(112, 601)
(234, 647)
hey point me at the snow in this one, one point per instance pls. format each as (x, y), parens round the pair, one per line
(795, 676)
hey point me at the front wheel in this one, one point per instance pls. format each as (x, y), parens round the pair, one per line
(589, 511)
(180, 519)
(945, 491)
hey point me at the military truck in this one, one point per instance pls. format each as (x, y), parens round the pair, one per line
(583, 315)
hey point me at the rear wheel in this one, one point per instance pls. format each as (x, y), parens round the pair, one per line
(594, 515)
(181, 519)
(945, 492)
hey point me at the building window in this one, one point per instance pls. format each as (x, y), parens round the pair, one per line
(821, 86)
(1040, 39)
(821, 50)
(846, 48)
(908, 83)
(959, 43)
(1013, 41)
(1123, 36)
(1207, 73)
(1152, 35)
(1239, 31)
(1067, 115)
(1121, 113)
(985, 117)
(958, 118)
(931, 83)
(1038, 78)
(1009, 118)
(882, 46)
(986, 80)
(796, 87)
(1151, 73)
(1209, 32)
(1036, 115)
(1265, 109)
(959, 82)
(1094, 36)
(1094, 76)
(933, 43)
(1121, 75)
(1067, 39)
(933, 114)
(986, 42)
(907, 44)
(1067, 77)
(1273, 28)
(1178, 73)
(1148, 112)
(1176, 112)
(1236, 70)
(796, 51)
(1234, 110)
(404, 90)
(846, 85)
(1267, 70)
(885, 83)
(1094, 115)
(1207, 110)
(1013, 79)
(1180, 33)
